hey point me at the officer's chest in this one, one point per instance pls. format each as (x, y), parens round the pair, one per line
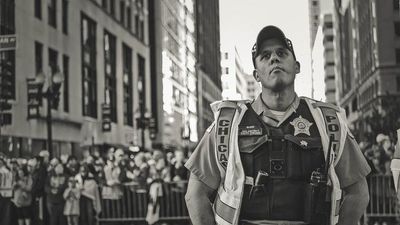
(292, 150)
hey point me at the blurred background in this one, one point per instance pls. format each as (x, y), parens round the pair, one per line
(87, 78)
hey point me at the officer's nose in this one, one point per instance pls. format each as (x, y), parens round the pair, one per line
(274, 58)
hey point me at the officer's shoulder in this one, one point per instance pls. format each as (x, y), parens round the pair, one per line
(319, 104)
(218, 105)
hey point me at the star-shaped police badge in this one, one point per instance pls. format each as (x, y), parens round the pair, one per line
(301, 126)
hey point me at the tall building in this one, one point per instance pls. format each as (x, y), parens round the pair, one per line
(323, 38)
(314, 13)
(208, 60)
(236, 82)
(369, 63)
(174, 102)
(101, 50)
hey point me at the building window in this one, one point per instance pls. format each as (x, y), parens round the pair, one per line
(38, 9)
(65, 16)
(354, 105)
(53, 64)
(142, 84)
(7, 67)
(112, 7)
(398, 83)
(397, 28)
(139, 25)
(127, 84)
(7, 17)
(38, 57)
(52, 13)
(104, 4)
(226, 70)
(314, 3)
(397, 56)
(110, 73)
(226, 55)
(122, 11)
(66, 83)
(129, 18)
(328, 25)
(89, 83)
(396, 4)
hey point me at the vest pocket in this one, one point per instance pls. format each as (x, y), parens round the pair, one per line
(304, 155)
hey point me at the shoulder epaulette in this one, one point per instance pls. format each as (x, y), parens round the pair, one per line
(218, 105)
(320, 104)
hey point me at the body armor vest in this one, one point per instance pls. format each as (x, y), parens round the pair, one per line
(287, 156)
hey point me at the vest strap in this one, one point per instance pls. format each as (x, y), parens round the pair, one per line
(333, 130)
(223, 131)
(223, 210)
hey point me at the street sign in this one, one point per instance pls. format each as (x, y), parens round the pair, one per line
(8, 42)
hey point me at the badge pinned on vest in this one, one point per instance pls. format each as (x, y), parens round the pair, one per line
(301, 126)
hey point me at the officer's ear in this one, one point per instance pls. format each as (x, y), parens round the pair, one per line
(256, 75)
(297, 67)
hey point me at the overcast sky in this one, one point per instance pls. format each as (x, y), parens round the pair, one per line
(241, 20)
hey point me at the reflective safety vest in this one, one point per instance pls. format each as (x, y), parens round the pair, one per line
(330, 121)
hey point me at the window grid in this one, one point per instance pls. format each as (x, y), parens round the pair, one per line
(110, 73)
(89, 83)
(127, 85)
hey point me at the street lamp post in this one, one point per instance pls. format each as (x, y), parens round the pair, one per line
(51, 94)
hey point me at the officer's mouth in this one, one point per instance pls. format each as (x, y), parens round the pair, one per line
(276, 69)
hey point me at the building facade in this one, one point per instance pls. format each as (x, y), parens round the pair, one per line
(101, 49)
(237, 84)
(369, 63)
(323, 65)
(174, 102)
(208, 60)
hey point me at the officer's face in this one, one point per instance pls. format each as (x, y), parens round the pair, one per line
(276, 66)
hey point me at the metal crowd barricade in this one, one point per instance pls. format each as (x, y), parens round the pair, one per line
(132, 207)
(383, 204)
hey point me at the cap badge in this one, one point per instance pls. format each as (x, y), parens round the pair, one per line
(301, 126)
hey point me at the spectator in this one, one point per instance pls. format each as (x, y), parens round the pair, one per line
(159, 173)
(39, 175)
(90, 205)
(44, 154)
(6, 189)
(385, 153)
(178, 170)
(112, 191)
(72, 166)
(140, 170)
(72, 195)
(23, 196)
(55, 187)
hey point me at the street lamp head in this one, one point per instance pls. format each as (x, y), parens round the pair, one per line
(58, 78)
(40, 78)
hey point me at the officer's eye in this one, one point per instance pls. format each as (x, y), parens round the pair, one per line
(281, 52)
(266, 55)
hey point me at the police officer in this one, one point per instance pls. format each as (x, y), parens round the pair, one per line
(280, 159)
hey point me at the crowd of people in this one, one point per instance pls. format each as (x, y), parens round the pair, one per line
(379, 154)
(69, 191)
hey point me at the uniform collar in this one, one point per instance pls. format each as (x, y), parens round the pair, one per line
(262, 110)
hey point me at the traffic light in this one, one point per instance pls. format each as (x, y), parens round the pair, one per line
(34, 97)
(106, 116)
(7, 82)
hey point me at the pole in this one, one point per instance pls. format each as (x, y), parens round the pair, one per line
(49, 124)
